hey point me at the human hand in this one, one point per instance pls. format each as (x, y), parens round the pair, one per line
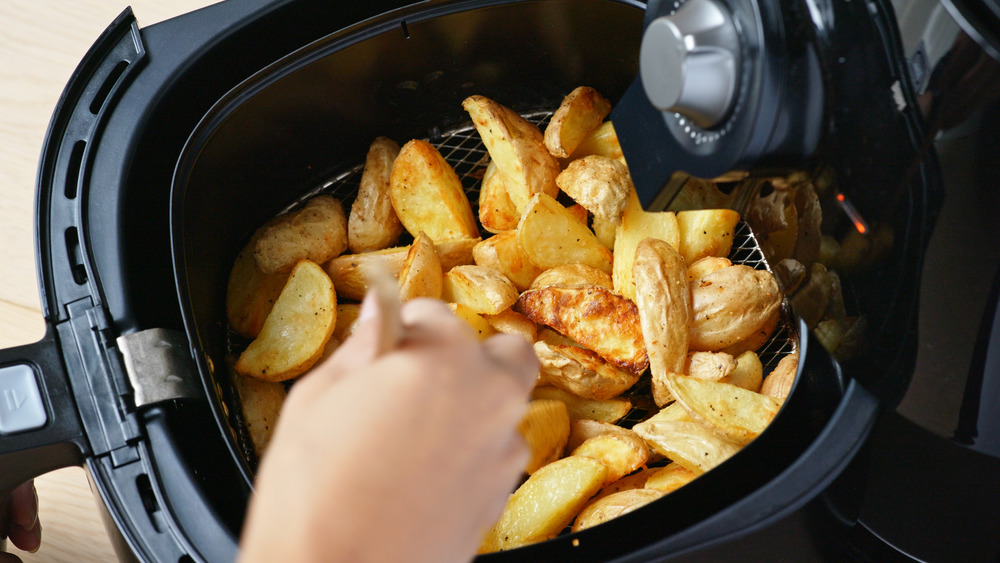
(21, 515)
(405, 456)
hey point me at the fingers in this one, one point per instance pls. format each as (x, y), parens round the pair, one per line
(517, 357)
(25, 529)
(9, 557)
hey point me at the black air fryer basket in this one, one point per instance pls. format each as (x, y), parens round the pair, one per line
(173, 143)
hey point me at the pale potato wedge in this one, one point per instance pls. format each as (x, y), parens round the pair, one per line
(517, 147)
(710, 366)
(598, 183)
(580, 112)
(670, 478)
(421, 274)
(749, 372)
(612, 506)
(595, 317)
(602, 140)
(605, 231)
(479, 325)
(546, 503)
(428, 196)
(484, 290)
(611, 410)
(572, 275)
(664, 304)
(738, 414)
(583, 429)
(503, 253)
(636, 225)
(551, 236)
(779, 382)
(636, 480)
(510, 321)
(296, 331)
(373, 224)
(758, 338)
(545, 428)
(730, 305)
(706, 232)
(261, 402)
(348, 271)
(704, 266)
(250, 293)
(622, 453)
(497, 212)
(693, 445)
(347, 320)
(317, 232)
(581, 371)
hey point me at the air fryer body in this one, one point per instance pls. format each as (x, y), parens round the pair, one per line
(146, 195)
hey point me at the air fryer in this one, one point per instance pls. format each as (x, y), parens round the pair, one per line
(165, 153)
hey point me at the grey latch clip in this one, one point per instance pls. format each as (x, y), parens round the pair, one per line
(159, 366)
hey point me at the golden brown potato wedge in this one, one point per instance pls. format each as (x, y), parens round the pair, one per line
(580, 112)
(583, 429)
(704, 266)
(545, 428)
(428, 196)
(517, 147)
(636, 225)
(598, 183)
(497, 212)
(551, 236)
(664, 303)
(503, 253)
(421, 274)
(250, 293)
(546, 503)
(670, 478)
(622, 453)
(602, 140)
(738, 414)
(296, 331)
(572, 275)
(373, 224)
(730, 305)
(779, 382)
(579, 213)
(261, 402)
(510, 321)
(706, 232)
(636, 480)
(612, 506)
(581, 371)
(317, 232)
(611, 410)
(476, 322)
(605, 231)
(348, 271)
(347, 320)
(598, 319)
(749, 372)
(484, 290)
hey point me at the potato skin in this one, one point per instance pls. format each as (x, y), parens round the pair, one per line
(730, 305)
(373, 224)
(598, 183)
(317, 232)
(580, 112)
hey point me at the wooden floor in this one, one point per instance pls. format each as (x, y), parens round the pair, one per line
(41, 42)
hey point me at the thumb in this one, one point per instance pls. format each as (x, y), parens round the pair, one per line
(378, 330)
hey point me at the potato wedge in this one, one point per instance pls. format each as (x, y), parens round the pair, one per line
(497, 212)
(636, 480)
(484, 290)
(572, 275)
(348, 271)
(704, 266)
(476, 322)
(517, 147)
(730, 305)
(622, 453)
(582, 372)
(250, 293)
(611, 410)
(421, 274)
(580, 112)
(261, 402)
(605, 231)
(316, 232)
(636, 225)
(602, 140)
(664, 304)
(551, 236)
(428, 196)
(710, 366)
(738, 414)
(503, 253)
(545, 428)
(598, 183)
(583, 429)
(749, 372)
(579, 213)
(706, 232)
(510, 321)
(670, 478)
(373, 224)
(612, 506)
(296, 331)
(595, 317)
(347, 320)
(691, 444)
(779, 382)
(546, 503)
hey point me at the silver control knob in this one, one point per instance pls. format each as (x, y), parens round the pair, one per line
(689, 62)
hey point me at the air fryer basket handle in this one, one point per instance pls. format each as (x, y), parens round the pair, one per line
(40, 429)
